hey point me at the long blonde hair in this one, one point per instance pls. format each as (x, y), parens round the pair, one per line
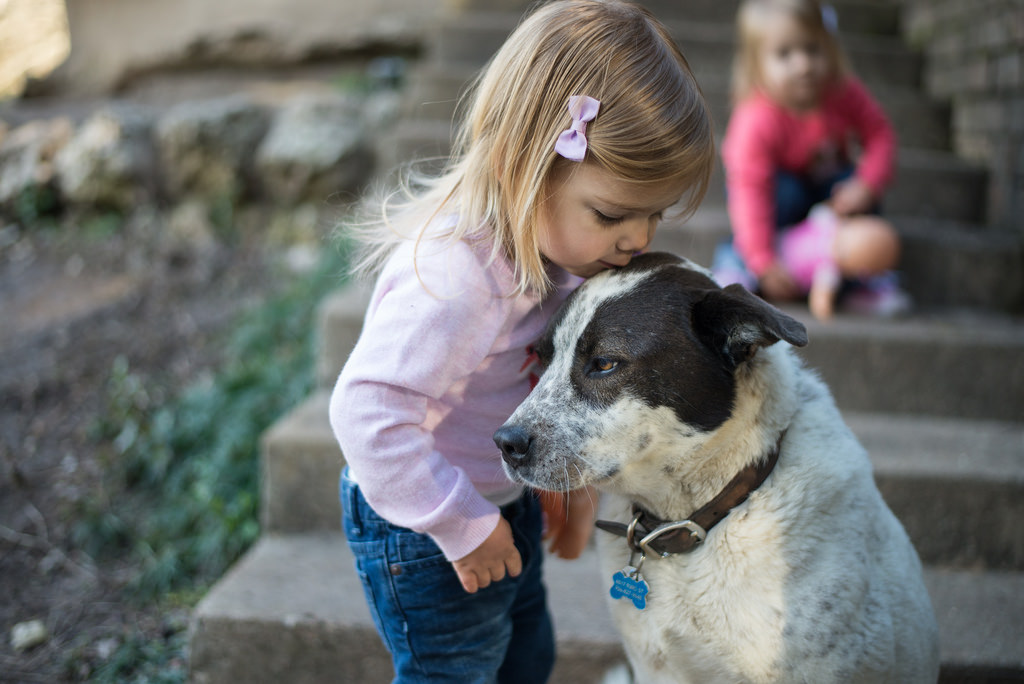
(653, 127)
(751, 19)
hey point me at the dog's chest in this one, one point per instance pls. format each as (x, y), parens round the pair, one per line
(698, 601)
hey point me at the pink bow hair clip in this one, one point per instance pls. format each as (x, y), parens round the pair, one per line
(572, 142)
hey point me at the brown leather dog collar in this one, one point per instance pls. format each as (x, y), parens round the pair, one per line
(647, 533)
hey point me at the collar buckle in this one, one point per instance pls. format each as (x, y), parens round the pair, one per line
(697, 532)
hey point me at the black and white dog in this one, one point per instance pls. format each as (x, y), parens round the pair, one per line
(747, 541)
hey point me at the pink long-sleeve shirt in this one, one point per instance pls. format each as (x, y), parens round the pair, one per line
(763, 137)
(441, 363)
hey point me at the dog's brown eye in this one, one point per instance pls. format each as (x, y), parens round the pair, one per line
(601, 365)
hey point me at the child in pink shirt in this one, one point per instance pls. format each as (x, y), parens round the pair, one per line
(561, 171)
(786, 149)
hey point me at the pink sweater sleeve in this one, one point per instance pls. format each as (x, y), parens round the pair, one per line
(415, 346)
(877, 138)
(749, 158)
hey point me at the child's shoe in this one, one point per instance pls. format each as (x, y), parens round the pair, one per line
(727, 268)
(880, 296)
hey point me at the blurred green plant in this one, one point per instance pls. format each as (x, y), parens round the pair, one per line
(180, 497)
(190, 461)
(138, 660)
(35, 206)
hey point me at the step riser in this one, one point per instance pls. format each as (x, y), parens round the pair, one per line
(951, 192)
(854, 17)
(960, 523)
(921, 187)
(938, 268)
(918, 376)
(921, 124)
(226, 652)
(269, 622)
(709, 59)
(944, 372)
(965, 273)
(957, 521)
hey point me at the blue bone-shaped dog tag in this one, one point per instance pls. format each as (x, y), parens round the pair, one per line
(628, 583)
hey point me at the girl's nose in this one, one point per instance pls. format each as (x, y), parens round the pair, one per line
(637, 236)
(802, 61)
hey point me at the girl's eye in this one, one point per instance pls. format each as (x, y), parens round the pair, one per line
(602, 366)
(606, 219)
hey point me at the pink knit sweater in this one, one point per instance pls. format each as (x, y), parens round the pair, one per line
(441, 363)
(764, 137)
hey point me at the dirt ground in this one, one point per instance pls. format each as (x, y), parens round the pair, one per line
(70, 303)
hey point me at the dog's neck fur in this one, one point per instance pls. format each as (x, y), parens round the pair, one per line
(766, 401)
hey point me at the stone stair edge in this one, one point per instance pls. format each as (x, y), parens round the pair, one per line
(700, 28)
(989, 328)
(956, 484)
(713, 217)
(979, 613)
(435, 91)
(459, 73)
(959, 448)
(912, 159)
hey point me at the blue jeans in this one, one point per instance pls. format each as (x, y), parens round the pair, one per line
(435, 631)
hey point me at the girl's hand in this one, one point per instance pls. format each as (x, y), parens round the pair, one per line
(570, 520)
(852, 196)
(777, 284)
(490, 561)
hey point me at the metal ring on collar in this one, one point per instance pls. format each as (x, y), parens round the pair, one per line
(630, 531)
(696, 530)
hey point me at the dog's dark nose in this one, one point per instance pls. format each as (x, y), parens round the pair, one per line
(514, 443)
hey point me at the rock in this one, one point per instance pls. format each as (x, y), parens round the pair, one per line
(189, 229)
(110, 162)
(27, 157)
(26, 635)
(206, 147)
(33, 41)
(316, 148)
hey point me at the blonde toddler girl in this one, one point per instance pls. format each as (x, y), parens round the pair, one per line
(583, 129)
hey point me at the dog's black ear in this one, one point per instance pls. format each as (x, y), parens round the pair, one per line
(737, 323)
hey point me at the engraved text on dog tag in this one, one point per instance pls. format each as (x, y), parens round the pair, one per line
(629, 583)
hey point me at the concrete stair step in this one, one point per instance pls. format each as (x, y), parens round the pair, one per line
(932, 184)
(855, 16)
(950, 264)
(928, 183)
(944, 264)
(961, 365)
(957, 485)
(472, 37)
(921, 123)
(292, 610)
(956, 363)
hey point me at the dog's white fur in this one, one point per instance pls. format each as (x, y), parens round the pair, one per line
(812, 579)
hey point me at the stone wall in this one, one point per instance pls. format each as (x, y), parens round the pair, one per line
(975, 58)
(113, 41)
(312, 150)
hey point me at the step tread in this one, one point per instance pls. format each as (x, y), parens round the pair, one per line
(899, 445)
(956, 484)
(981, 614)
(955, 326)
(908, 159)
